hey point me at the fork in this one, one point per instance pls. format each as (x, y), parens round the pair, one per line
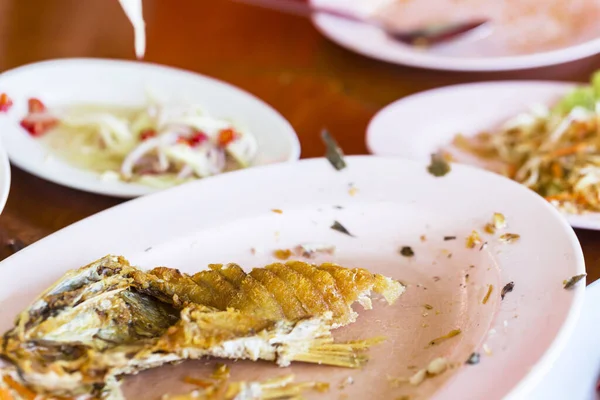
(427, 35)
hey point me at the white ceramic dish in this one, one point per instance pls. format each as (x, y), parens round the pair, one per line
(467, 53)
(72, 81)
(205, 222)
(575, 373)
(5, 177)
(417, 126)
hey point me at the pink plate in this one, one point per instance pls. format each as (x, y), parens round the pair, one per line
(522, 34)
(386, 203)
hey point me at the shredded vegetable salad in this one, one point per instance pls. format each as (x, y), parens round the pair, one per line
(158, 145)
(554, 151)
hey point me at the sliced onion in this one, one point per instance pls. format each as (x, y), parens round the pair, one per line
(143, 148)
(216, 160)
(185, 172)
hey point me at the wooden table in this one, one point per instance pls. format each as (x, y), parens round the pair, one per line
(281, 59)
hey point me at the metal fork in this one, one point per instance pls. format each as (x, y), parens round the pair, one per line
(427, 35)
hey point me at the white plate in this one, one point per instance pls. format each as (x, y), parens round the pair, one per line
(417, 126)
(71, 81)
(4, 177)
(468, 53)
(222, 219)
(576, 371)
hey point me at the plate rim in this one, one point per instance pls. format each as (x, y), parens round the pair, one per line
(5, 170)
(575, 220)
(132, 190)
(528, 381)
(413, 58)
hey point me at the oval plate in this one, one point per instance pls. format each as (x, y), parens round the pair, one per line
(71, 81)
(461, 54)
(206, 222)
(417, 126)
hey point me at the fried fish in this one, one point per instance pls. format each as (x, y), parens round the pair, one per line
(109, 318)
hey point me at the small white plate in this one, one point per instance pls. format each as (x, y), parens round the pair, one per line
(4, 177)
(223, 219)
(472, 52)
(71, 81)
(576, 371)
(417, 126)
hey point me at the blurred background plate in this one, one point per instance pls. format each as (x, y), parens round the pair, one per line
(417, 126)
(481, 50)
(75, 81)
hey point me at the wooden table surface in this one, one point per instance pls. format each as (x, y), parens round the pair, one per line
(279, 58)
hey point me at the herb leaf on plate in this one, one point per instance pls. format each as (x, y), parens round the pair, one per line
(571, 282)
(439, 166)
(340, 228)
(334, 153)
(507, 289)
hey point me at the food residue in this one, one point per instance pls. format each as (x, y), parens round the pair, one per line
(407, 251)
(428, 306)
(571, 282)
(507, 289)
(509, 237)
(436, 367)
(277, 211)
(334, 153)
(282, 387)
(473, 240)
(418, 377)
(438, 166)
(487, 350)
(346, 382)
(353, 190)
(309, 250)
(423, 238)
(336, 226)
(499, 221)
(282, 254)
(488, 294)
(446, 238)
(474, 358)
(449, 335)
(489, 228)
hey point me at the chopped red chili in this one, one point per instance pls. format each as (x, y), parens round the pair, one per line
(197, 138)
(36, 105)
(147, 134)
(5, 102)
(226, 136)
(38, 127)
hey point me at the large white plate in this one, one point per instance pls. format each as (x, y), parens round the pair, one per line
(463, 54)
(393, 202)
(71, 81)
(417, 126)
